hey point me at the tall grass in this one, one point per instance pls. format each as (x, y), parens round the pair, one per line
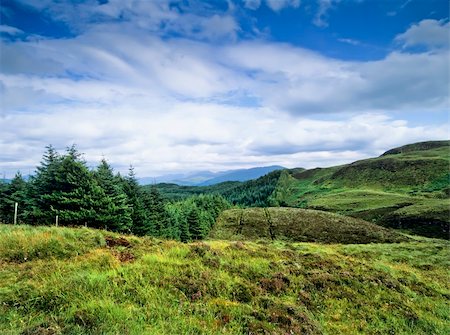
(149, 286)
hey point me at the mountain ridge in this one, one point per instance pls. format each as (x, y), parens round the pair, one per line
(208, 178)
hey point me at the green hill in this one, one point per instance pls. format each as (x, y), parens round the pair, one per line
(293, 224)
(405, 188)
(420, 146)
(85, 281)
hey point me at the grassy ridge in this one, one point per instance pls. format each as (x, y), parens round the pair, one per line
(295, 224)
(126, 285)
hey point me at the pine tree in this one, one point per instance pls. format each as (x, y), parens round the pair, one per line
(43, 183)
(157, 216)
(175, 218)
(134, 194)
(196, 230)
(117, 216)
(16, 191)
(185, 236)
(77, 198)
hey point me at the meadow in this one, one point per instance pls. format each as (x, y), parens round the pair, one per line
(86, 281)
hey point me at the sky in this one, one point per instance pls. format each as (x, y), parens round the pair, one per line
(173, 86)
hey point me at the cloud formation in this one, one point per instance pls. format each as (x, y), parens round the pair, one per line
(428, 33)
(168, 89)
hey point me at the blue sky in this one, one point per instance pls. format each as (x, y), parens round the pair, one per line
(172, 86)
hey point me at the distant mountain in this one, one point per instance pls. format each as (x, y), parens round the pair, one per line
(242, 175)
(206, 178)
(183, 179)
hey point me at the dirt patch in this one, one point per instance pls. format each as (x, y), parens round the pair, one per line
(275, 285)
(117, 242)
(42, 330)
(125, 256)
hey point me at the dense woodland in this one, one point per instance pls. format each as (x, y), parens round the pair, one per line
(63, 186)
(252, 193)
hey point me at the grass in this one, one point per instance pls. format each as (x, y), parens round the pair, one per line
(129, 285)
(295, 224)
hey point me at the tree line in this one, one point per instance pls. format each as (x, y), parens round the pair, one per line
(65, 187)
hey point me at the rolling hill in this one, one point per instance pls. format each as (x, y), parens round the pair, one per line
(299, 225)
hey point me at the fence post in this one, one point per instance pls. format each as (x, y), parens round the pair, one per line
(15, 212)
(56, 221)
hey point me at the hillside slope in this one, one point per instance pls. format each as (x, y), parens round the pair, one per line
(295, 224)
(406, 188)
(83, 281)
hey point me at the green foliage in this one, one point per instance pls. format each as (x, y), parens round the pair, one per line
(130, 186)
(250, 193)
(157, 217)
(254, 193)
(11, 193)
(174, 192)
(132, 285)
(117, 215)
(194, 217)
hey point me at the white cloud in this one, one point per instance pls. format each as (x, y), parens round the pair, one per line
(208, 137)
(321, 17)
(429, 33)
(349, 41)
(4, 29)
(122, 90)
(303, 82)
(252, 4)
(277, 5)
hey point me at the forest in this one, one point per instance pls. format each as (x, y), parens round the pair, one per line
(64, 191)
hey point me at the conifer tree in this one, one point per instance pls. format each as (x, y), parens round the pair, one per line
(135, 201)
(117, 216)
(77, 198)
(157, 217)
(16, 191)
(185, 236)
(196, 230)
(42, 183)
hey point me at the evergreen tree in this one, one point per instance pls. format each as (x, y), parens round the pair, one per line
(43, 183)
(175, 219)
(134, 194)
(196, 230)
(185, 236)
(3, 203)
(16, 191)
(157, 217)
(77, 198)
(117, 216)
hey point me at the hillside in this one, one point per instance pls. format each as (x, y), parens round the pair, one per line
(84, 281)
(405, 188)
(293, 224)
(242, 175)
(255, 192)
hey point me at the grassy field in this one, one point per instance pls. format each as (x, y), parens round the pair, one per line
(83, 281)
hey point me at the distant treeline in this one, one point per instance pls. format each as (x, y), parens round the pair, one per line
(252, 193)
(64, 187)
